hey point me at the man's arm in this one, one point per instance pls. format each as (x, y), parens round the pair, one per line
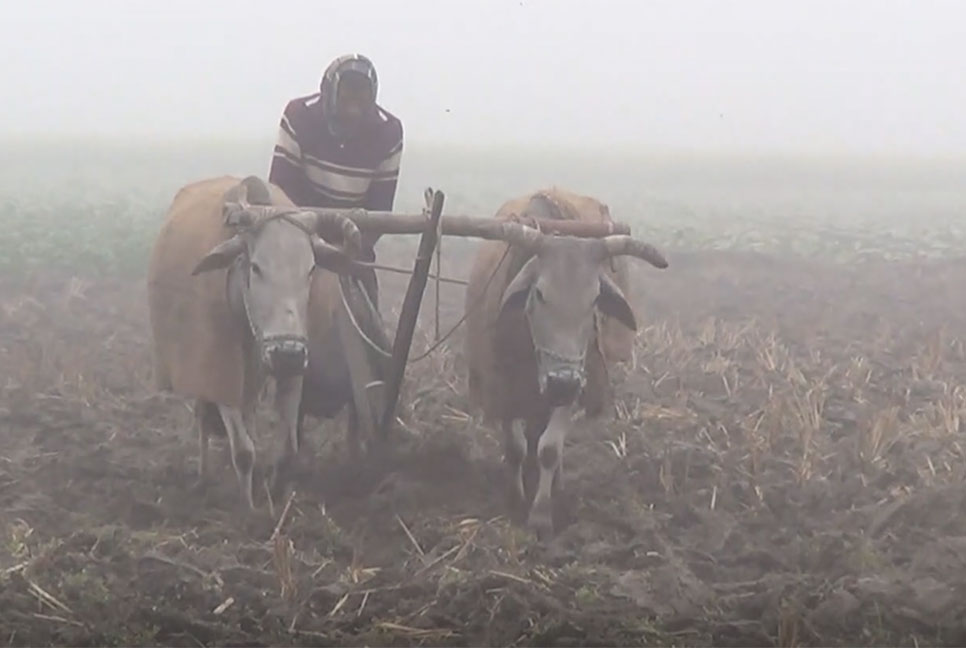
(382, 190)
(286, 170)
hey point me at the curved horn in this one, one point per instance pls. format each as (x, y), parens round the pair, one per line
(329, 222)
(239, 193)
(256, 191)
(236, 206)
(351, 236)
(622, 244)
(238, 215)
(527, 238)
(336, 259)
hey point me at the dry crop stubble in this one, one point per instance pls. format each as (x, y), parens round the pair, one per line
(784, 464)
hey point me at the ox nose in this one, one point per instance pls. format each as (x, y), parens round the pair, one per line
(563, 385)
(286, 356)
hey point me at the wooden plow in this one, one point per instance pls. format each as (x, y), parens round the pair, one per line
(431, 226)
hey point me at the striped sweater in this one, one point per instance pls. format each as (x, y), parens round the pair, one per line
(316, 170)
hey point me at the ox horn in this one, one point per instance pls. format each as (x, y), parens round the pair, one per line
(236, 210)
(527, 238)
(238, 214)
(622, 244)
(329, 222)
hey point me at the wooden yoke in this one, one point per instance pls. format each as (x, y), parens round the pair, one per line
(471, 226)
(430, 225)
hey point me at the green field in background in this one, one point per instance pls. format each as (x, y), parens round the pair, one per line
(93, 207)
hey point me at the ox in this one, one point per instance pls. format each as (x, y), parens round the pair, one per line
(544, 316)
(217, 336)
(344, 325)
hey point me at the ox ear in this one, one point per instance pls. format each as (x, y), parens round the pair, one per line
(221, 255)
(611, 302)
(515, 294)
(335, 259)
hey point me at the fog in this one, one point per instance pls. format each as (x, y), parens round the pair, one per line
(855, 77)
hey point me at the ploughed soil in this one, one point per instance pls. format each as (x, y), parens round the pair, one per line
(783, 465)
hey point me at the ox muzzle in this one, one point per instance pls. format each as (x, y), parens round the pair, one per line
(561, 379)
(285, 355)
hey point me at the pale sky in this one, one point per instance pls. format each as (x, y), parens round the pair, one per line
(859, 76)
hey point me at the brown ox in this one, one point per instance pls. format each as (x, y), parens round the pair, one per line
(229, 307)
(542, 323)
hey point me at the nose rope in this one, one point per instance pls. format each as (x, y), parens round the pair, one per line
(557, 356)
(285, 339)
(285, 347)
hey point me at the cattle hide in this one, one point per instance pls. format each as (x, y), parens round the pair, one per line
(199, 344)
(501, 364)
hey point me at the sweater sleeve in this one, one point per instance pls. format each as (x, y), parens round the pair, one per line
(286, 169)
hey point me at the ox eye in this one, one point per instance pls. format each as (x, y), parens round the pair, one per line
(538, 294)
(256, 269)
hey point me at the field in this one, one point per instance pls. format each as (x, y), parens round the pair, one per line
(784, 463)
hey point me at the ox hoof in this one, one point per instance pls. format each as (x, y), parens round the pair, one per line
(542, 529)
(541, 523)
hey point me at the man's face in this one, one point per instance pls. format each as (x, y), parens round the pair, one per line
(353, 99)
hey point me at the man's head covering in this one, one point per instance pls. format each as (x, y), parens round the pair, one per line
(329, 86)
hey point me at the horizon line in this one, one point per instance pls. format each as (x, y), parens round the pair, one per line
(636, 150)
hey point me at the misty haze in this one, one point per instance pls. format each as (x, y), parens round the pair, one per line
(772, 454)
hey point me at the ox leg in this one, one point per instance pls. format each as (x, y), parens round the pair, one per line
(208, 422)
(531, 473)
(242, 450)
(549, 453)
(201, 421)
(288, 398)
(300, 423)
(514, 456)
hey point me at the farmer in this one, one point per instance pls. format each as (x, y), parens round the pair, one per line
(338, 148)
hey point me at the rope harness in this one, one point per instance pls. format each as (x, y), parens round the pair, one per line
(425, 354)
(373, 345)
(433, 347)
(247, 232)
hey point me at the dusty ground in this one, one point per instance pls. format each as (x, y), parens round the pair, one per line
(784, 466)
